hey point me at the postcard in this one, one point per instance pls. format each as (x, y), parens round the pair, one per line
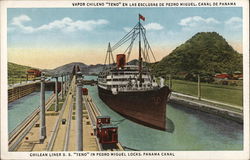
(125, 79)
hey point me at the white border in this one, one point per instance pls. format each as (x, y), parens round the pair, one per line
(178, 154)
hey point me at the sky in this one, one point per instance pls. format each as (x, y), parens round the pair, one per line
(50, 37)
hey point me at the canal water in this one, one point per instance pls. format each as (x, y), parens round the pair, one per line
(193, 130)
(23, 107)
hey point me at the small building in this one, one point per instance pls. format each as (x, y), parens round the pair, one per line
(33, 73)
(221, 76)
(225, 79)
(238, 75)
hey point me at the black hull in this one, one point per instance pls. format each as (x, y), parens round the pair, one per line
(145, 107)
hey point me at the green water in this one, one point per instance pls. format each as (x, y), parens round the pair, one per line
(193, 130)
(90, 77)
(23, 107)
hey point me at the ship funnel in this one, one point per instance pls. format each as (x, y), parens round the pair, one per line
(120, 60)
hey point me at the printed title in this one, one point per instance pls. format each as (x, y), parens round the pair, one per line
(154, 4)
(102, 154)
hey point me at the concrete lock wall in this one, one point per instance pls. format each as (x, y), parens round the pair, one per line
(18, 92)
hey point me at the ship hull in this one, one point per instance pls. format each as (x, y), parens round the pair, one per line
(144, 107)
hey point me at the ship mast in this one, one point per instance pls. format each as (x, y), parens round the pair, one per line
(109, 55)
(144, 46)
(140, 57)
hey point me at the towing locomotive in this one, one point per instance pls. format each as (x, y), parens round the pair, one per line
(106, 132)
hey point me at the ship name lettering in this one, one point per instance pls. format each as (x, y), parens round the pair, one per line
(156, 100)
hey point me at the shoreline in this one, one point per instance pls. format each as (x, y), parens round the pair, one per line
(227, 111)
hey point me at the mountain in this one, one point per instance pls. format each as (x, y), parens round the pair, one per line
(85, 69)
(204, 53)
(133, 62)
(68, 68)
(95, 69)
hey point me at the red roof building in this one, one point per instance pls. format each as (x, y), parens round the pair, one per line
(33, 73)
(222, 76)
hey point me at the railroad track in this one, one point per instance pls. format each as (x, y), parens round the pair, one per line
(55, 129)
(93, 113)
(92, 116)
(57, 124)
(66, 141)
(93, 106)
(16, 136)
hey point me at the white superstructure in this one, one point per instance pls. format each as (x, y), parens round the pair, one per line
(126, 79)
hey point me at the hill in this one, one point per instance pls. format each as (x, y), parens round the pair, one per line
(205, 53)
(68, 68)
(85, 69)
(16, 70)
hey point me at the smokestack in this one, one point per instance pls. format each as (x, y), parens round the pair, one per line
(120, 60)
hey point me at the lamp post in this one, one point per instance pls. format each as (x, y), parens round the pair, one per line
(42, 110)
(56, 92)
(79, 132)
(199, 87)
(62, 86)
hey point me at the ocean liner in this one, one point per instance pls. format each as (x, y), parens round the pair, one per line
(130, 89)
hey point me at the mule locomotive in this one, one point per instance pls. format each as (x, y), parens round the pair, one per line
(106, 132)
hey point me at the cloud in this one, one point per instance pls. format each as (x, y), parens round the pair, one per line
(18, 21)
(153, 26)
(234, 23)
(66, 24)
(197, 21)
